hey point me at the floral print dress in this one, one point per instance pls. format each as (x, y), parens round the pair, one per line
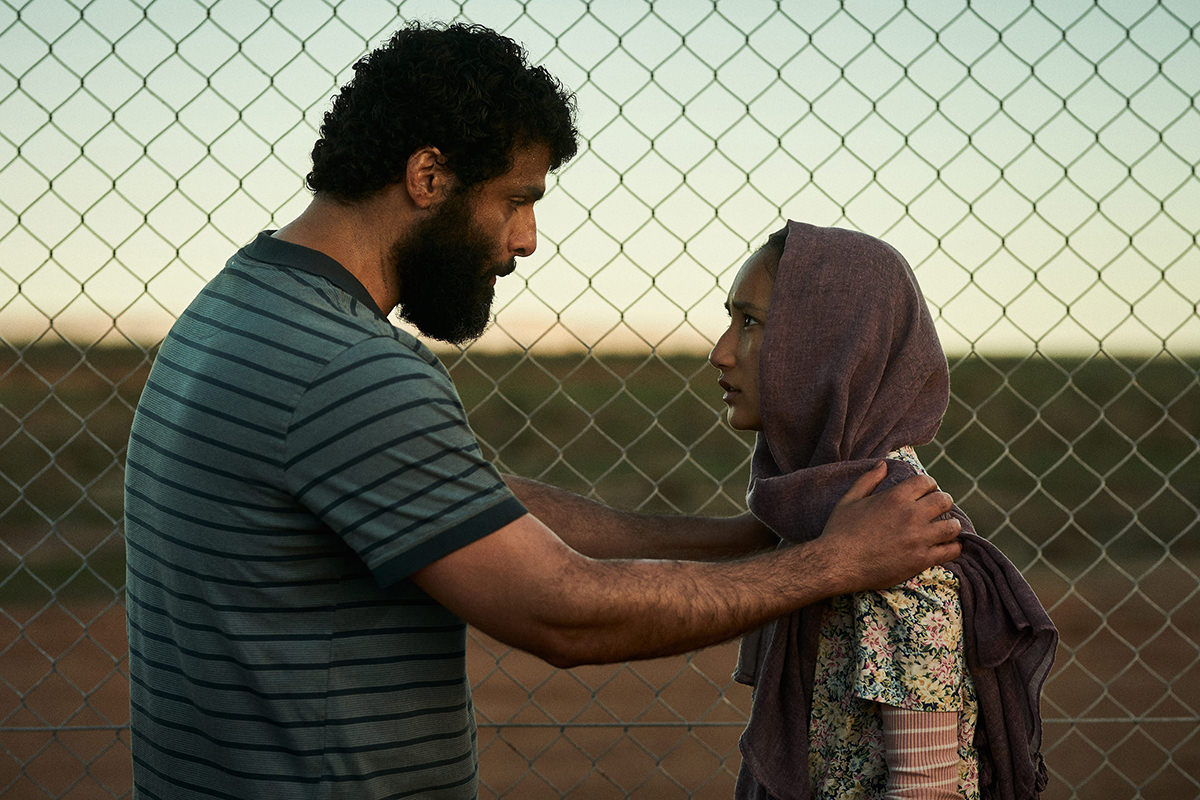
(902, 647)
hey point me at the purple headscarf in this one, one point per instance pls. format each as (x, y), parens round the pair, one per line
(850, 369)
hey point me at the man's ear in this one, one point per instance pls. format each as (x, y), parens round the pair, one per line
(427, 178)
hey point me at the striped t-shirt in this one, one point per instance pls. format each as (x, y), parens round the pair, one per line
(293, 460)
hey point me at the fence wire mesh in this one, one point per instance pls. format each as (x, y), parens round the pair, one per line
(1035, 161)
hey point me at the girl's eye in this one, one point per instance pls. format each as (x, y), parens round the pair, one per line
(749, 321)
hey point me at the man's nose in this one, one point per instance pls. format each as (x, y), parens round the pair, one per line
(524, 238)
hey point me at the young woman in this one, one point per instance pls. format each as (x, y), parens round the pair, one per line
(929, 689)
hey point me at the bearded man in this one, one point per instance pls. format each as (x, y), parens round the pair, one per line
(310, 523)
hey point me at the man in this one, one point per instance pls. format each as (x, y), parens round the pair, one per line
(310, 523)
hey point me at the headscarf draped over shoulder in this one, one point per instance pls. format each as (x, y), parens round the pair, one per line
(851, 369)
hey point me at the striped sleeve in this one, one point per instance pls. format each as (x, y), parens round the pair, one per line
(379, 449)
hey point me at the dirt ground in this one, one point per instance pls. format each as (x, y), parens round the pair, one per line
(660, 729)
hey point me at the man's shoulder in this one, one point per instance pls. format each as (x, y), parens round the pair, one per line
(381, 357)
(257, 322)
(317, 302)
(281, 293)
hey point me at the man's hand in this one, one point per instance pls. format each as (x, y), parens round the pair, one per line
(884, 539)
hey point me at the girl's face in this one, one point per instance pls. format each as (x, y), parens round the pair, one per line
(736, 352)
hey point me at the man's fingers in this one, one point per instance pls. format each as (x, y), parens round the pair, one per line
(935, 504)
(915, 487)
(866, 483)
(946, 552)
(947, 530)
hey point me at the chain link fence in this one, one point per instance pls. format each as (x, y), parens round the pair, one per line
(1035, 161)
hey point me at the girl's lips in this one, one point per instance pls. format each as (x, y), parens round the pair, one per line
(730, 392)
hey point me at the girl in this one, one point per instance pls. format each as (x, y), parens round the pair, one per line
(925, 690)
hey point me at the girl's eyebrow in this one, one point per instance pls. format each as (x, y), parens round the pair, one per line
(745, 307)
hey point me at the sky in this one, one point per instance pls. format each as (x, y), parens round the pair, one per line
(1035, 162)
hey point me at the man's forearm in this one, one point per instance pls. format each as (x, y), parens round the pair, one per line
(601, 532)
(570, 610)
(648, 609)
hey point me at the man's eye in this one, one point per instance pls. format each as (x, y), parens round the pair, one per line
(748, 321)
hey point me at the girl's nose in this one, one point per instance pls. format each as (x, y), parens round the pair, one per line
(721, 356)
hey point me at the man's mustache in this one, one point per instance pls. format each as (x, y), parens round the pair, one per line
(504, 270)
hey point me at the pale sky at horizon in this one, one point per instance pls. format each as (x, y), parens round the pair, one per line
(1036, 164)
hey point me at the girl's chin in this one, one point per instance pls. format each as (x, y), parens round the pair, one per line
(739, 423)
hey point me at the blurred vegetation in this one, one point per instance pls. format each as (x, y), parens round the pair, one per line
(1061, 461)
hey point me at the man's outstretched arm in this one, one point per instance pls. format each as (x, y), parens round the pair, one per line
(598, 531)
(528, 588)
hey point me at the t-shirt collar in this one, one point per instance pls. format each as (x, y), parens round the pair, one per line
(268, 249)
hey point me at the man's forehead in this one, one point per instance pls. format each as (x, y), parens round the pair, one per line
(530, 166)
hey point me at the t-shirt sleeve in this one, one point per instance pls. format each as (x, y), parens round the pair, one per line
(380, 451)
(909, 649)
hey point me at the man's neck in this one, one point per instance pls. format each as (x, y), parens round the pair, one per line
(360, 236)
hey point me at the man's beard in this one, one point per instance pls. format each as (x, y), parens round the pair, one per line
(445, 268)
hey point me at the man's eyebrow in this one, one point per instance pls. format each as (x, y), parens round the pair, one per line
(533, 192)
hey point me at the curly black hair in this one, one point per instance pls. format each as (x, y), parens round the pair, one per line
(463, 89)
